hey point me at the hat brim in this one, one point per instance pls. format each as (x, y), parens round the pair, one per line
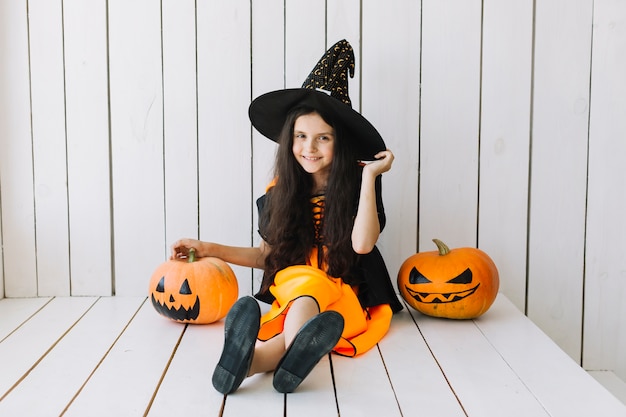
(268, 113)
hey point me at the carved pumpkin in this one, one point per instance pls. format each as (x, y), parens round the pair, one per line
(194, 290)
(457, 284)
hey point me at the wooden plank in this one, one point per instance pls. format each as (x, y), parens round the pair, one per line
(49, 147)
(223, 126)
(136, 141)
(29, 344)
(303, 48)
(72, 360)
(605, 316)
(364, 374)
(255, 395)
(192, 368)
(180, 120)
(343, 21)
(131, 371)
(449, 119)
(418, 383)
(268, 68)
(16, 155)
(614, 384)
(16, 311)
(559, 174)
(505, 141)
(559, 384)
(316, 389)
(473, 367)
(88, 152)
(391, 102)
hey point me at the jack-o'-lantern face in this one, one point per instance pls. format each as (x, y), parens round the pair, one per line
(459, 283)
(450, 291)
(193, 291)
(181, 305)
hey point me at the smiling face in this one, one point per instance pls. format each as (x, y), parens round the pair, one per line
(313, 146)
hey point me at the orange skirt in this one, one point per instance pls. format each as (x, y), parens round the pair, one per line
(363, 327)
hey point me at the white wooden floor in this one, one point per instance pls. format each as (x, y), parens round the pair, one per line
(115, 356)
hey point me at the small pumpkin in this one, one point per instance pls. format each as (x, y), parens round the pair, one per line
(460, 283)
(195, 290)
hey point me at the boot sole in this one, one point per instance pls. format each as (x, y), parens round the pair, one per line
(240, 333)
(315, 339)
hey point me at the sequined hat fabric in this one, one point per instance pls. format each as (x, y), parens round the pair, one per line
(331, 72)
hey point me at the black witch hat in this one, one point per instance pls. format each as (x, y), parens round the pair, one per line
(326, 88)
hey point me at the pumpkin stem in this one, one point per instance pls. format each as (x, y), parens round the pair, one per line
(443, 248)
(192, 255)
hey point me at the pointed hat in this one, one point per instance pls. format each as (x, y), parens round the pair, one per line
(326, 87)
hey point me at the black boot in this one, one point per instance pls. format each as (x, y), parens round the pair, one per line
(315, 339)
(240, 332)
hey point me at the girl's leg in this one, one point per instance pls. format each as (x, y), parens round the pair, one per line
(301, 310)
(268, 354)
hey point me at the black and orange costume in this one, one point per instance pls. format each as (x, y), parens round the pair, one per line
(366, 304)
(355, 308)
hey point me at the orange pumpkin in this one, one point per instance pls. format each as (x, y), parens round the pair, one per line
(457, 284)
(194, 290)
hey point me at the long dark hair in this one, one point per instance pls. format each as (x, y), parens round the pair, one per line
(288, 214)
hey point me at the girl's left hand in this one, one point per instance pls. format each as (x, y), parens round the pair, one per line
(382, 163)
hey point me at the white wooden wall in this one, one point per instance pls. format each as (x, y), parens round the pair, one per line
(123, 126)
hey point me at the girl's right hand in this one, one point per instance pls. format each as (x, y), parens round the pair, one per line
(180, 248)
(381, 163)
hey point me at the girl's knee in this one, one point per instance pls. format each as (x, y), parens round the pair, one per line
(305, 303)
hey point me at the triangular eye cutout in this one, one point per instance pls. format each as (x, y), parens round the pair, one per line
(416, 277)
(464, 278)
(184, 289)
(161, 285)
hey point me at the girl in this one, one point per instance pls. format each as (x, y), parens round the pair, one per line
(319, 221)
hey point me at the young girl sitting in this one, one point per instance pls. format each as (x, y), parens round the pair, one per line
(319, 220)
